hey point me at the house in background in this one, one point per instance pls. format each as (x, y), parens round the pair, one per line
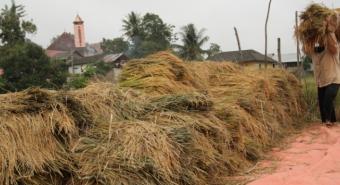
(289, 61)
(79, 65)
(78, 54)
(116, 61)
(248, 58)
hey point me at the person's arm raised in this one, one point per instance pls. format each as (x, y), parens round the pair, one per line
(331, 40)
(332, 43)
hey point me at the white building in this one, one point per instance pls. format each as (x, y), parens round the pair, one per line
(78, 66)
(290, 61)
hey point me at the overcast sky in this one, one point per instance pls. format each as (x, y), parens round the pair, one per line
(103, 18)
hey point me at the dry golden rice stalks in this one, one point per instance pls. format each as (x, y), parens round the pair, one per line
(169, 122)
(35, 130)
(132, 153)
(180, 102)
(161, 73)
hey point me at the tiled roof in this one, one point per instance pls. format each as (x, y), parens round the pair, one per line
(54, 53)
(107, 58)
(113, 57)
(65, 42)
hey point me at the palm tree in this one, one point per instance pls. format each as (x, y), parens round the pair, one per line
(132, 25)
(193, 40)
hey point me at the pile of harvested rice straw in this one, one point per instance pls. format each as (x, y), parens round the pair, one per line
(167, 123)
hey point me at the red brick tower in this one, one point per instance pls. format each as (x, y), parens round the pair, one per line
(79, 33)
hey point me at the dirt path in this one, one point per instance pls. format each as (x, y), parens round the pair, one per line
(312, 158)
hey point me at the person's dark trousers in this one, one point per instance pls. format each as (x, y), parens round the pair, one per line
(327, 97)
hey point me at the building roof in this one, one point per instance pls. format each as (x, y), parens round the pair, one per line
(56, 54)
(287, 58)
(243, 56)
(113, 57)
(88, 60)
(65, 42)
(64, 55)
(107, 58)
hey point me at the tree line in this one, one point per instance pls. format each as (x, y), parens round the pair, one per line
(147, 34)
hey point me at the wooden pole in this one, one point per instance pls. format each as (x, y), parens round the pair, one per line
(238, 42)
(279, 51)
(238, 39)
(297, 41)
(72, 61)
(266, 36)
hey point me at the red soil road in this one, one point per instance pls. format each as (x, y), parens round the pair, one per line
(313, 158)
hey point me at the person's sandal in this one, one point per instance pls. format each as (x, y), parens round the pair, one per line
(330, 124)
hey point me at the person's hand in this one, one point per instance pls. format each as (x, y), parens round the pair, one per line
(337, 32)
(332, 43)
(332, 23)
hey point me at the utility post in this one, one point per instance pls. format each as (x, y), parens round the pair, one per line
(298, 44)
(279, 51)
(72, 61)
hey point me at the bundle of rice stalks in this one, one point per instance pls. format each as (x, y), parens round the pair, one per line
(181, 102)
(257, 114)
(206, 146)
(132, 153)
(160, 73)
(208, 72)
(105, 102)
(313, 26)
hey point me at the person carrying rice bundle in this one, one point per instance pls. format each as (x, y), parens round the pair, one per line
(317, 31)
